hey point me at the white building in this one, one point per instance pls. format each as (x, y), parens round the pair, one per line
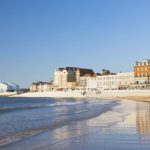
(41, 86)
(69, 77)
(8, 87)
(3, 87)
(92, 83)
(45, 86)
(62, 76)
(88, 83)
(115, 81)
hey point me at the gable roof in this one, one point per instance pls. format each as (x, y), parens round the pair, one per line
(86, 71)
(83, 71)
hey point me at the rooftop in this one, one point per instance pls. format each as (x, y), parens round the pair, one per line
(83, 71)
(143, 62)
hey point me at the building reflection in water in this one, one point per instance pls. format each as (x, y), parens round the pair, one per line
(143, 120)
(70, 130)
(67, 135)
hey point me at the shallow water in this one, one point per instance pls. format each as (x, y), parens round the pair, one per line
(73, 124)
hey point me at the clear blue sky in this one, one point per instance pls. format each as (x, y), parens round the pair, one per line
(36, 36)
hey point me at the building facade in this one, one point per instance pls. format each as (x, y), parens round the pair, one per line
(92, 84)
(142, 72)
(87, 84)
(115, 81)
(3, 87)
(41, 87)
(69, 77)
(64, 78)
(8, 87)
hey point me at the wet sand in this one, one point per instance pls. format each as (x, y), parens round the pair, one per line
(125, 127)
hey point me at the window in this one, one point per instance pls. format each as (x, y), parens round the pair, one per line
(142, 75)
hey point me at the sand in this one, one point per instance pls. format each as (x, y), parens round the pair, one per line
(142, 95)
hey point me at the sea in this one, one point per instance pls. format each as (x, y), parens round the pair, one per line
(73, 124)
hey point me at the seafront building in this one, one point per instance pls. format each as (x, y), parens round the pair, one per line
(106, 80)
(115, 81)
(82, 79)
(87, 83)
(8, 87)
(41, 86)
(142, 72)
(69, 78)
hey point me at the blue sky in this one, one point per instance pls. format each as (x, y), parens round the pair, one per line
(37, 36)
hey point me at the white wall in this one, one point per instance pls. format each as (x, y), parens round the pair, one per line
(60, 78)
(3, 87)
(92, 83)
(115, 81)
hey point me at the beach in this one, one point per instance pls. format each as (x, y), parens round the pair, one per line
(141, 95)
(6, 94)
(73, 123)
(55, 94)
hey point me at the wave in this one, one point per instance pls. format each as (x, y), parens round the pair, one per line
(18, 137)
(7, 109)
(67, 104)
(76, 116)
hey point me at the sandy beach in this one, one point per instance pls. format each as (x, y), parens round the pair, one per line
(5, 94)
(55, 94)
(141, 95)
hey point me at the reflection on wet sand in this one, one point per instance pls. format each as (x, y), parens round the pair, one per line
(112, 127)
(143, 122)
(124, 127)
(143, 118)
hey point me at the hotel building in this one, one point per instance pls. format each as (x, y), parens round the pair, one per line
(115, 81)
(142, 72)
(88, 83)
